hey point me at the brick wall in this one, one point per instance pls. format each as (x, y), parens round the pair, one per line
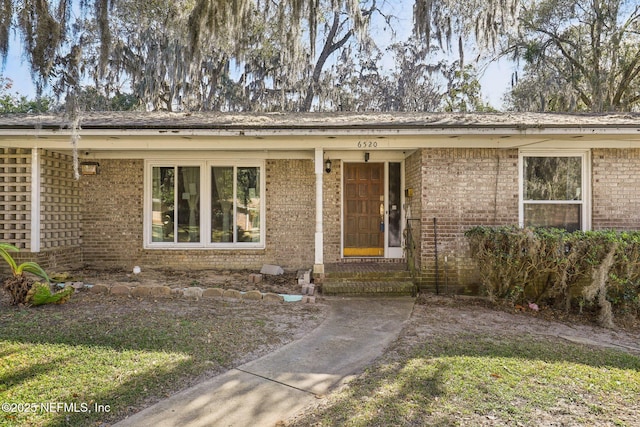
(98, 220)
(615, 193)
(332, 202)
(291, 218)
(413, 208)
(113, 221)
(462, 188)
(112, 214)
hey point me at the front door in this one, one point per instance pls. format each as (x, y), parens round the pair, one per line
(364, 209)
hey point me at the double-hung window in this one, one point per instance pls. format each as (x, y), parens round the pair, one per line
(554, 189)
(204, 204)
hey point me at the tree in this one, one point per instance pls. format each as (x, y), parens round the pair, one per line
(580, 55)
(463, 90)
(59, 43)
(92, 99)
(16, 103)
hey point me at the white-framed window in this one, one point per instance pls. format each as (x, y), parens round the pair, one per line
(555, 189)
(204, 204)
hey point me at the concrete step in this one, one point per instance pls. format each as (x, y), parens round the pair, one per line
(364, 276)
(369, 288)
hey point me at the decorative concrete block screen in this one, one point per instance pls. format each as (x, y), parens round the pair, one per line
(15, 202)
(60, 202)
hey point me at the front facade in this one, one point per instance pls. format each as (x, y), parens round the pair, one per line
(308, 191)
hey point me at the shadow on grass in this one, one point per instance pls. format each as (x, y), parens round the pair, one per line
(164, 352)
(18, 377)
(450, 379)
(532, 348)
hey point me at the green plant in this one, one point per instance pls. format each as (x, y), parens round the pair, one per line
(40, 293)
(562, 268)
(18, 285)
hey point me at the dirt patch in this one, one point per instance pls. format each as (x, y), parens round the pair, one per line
(435, 316)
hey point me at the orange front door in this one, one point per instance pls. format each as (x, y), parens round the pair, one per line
(364, 209)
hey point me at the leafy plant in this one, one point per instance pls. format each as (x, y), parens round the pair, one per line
(599, 268)
(40, 293)
(18, 285)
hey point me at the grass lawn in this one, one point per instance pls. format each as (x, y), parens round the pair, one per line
(497, 380)
(96, 359)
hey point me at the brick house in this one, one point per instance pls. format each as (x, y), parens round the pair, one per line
(321, 191)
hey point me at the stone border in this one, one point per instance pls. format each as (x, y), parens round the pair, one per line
(194, 293)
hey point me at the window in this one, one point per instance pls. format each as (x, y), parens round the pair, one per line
(204, 205)
(554, 189)
(235, 204)
(176, 207)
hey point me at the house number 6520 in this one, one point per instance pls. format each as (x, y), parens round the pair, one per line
(367, 144)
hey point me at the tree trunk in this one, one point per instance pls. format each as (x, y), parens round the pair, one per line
(17, 287)
(327, 50)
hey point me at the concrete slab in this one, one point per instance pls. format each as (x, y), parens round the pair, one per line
(230, 399)
(278, 385)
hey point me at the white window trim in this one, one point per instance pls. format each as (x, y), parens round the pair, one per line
(205, 204)
(585, 155)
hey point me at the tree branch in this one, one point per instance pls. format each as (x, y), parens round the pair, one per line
(327, 50)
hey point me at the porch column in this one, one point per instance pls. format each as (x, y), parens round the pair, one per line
(318, 267)
(35, 200)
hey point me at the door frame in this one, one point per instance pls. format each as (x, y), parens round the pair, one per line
(389, 252)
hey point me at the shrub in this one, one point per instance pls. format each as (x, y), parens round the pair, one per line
(541, 264)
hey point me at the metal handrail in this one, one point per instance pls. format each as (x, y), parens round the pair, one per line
(410, 247)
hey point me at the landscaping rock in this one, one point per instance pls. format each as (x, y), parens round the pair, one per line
(160, 291)
(304, 277)
(255, 278)
(99, 289)
(308, 289)
(252, 295)
(194, 292)
(141, 291)
(213, 293)
(120, 290)
(273, 270)
(232, 293)
(271, 297)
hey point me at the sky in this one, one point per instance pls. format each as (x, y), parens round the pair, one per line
(495, 78)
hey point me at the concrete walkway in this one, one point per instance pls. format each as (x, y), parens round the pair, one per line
(280, 384)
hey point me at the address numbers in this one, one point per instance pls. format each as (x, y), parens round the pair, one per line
(367, 144)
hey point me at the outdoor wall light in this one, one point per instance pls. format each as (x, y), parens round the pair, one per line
(366, 157)
(89, 168)
(327, 165)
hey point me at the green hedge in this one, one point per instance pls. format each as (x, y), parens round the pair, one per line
(554, 266)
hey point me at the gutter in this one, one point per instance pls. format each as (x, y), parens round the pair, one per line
(379, 131)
